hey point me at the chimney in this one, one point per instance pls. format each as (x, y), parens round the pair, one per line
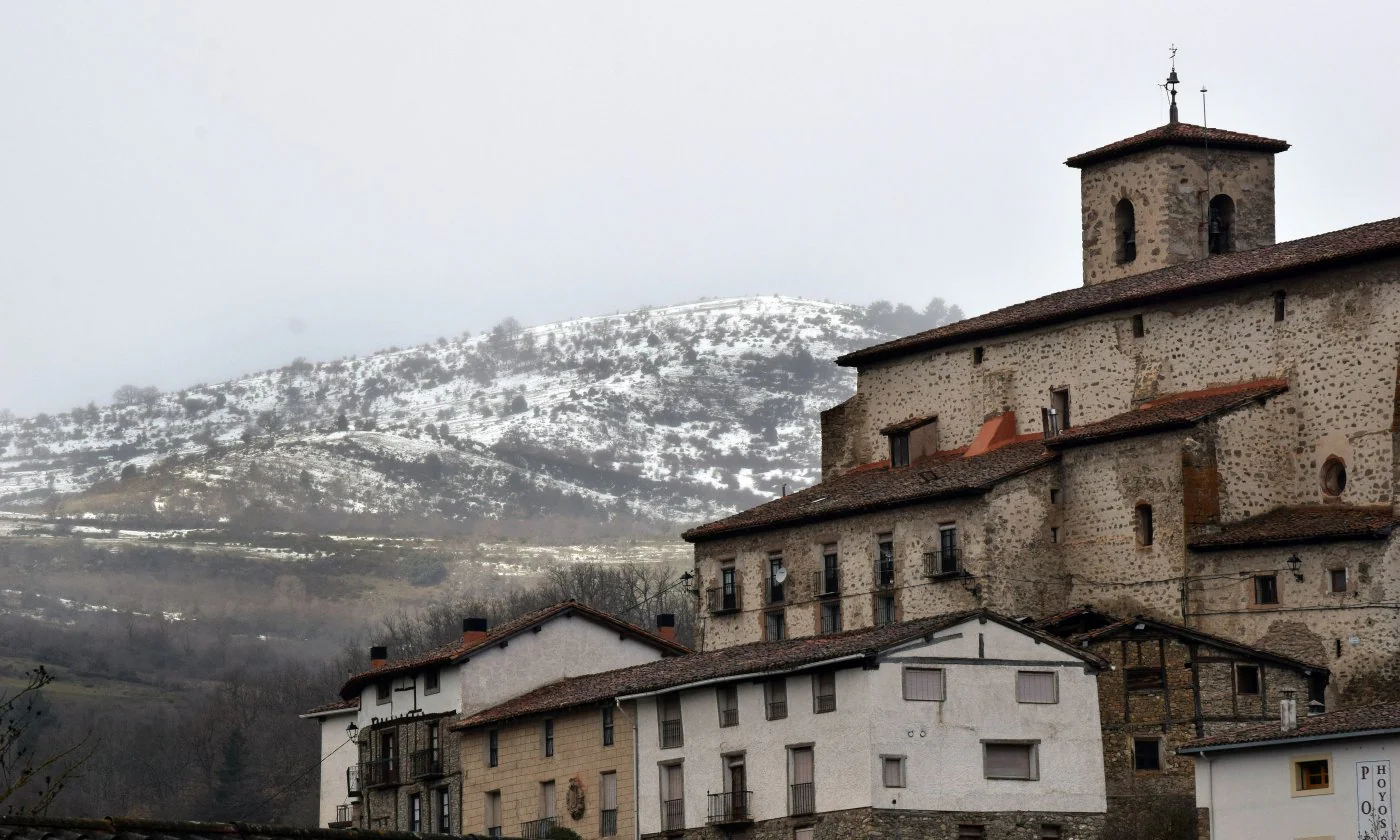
(1288, 712)
(378, 656)
(473, 630)
(666, 626)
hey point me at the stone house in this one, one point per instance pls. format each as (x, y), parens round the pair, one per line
(1325, 776)
(1206, 431)
(389, 761)
(1170, 685)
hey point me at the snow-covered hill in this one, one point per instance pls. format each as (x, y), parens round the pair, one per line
(663, 415)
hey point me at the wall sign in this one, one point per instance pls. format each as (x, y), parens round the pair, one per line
(1374, 808)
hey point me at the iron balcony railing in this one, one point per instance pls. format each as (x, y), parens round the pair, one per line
(728, 717)
(729, 808)
(725, 599)
(342, 814)
(384, 771)
(352, 781)
(947, 561)
(777, 709)
(672, 734)
(536, 829)
(426, 762)
(824, 703)
(802, 799)
(673, 815)
(884, 573)
(608, 827)
(826, 583)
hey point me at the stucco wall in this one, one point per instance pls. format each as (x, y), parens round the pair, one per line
(941, 741)
(338, 754)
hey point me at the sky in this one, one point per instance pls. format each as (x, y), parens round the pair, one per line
(192, 191)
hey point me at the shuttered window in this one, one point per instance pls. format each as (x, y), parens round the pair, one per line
(609, 795)
(1036, 687)
(1009, 761)
(892, 771)
(923, 684)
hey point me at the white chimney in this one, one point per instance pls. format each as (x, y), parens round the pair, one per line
(1288, 712)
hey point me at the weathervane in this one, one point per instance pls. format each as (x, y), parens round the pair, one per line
(1170, 85)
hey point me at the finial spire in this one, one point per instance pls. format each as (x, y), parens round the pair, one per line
(1171, 83)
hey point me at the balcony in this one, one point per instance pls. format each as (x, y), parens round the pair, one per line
(729, 808)
(729, 717)
(352, 781)
(608, 826)
(823, 703)
(802, 799)
(884, 573)
(380, 773)
(342, 817)
(427, 763)
(826, 583)
(777, 709)
(723, 600)
(673, 815)
(536, 829)
(672, 735)
(944, 563)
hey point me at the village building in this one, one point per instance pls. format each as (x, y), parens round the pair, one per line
(1206, 432)
(389, 761)
(1308, 778)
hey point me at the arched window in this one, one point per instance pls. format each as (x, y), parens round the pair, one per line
(1221, 224)
(1125, 232)
(1142, 523)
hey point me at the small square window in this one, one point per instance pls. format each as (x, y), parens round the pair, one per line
(1010, 760)
(1247, 679)
(1337, 580)
(968, 831)
(1312, 775)
(923, 684)
(1144, 679)
(806, 832)
(1147, 754)
(1265, 590)
(1055, 495)
(1049, 831)
(1036, 687)
(892, 771)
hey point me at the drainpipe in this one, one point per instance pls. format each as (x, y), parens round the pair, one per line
(1210, 792)
(636, 775)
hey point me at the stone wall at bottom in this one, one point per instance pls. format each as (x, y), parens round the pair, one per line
(887, 824)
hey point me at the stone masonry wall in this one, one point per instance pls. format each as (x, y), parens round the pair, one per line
(387, 808)
(885, 824)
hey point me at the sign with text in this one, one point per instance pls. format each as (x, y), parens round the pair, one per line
(1374, 809)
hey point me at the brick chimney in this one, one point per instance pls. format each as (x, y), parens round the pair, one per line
(378, 656)
(473, 630)
(666, 626)
(1288, 712)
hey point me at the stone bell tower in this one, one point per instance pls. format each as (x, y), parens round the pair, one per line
(1173, 195)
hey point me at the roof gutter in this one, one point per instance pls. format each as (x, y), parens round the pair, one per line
(749, 675)
(1243, 745)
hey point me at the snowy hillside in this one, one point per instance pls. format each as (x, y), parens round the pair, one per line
(664, 415)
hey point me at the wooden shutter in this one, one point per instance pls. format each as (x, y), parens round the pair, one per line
(675, 782)
(923, 684)
(893, 772)
(547, 799)
(1008, 761)
(802, 766)
(1036, 687)
(493, 810)
(609, 791)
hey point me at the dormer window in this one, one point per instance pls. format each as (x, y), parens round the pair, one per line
(1220, 224)
(899, 449)
(1125, 232)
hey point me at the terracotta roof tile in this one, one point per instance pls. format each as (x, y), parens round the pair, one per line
(1175, 282)
(909, 425)
(1380, 717)
(1303, 524)
(1129, 626)
(1175, 412)
(738, 661)
(453, 651)
(1178, 134)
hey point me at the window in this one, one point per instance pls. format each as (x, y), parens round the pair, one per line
(777, 575)
(444, 810)
(829, 578)
(892, 771)
(728, 589)
(493, 748)
(1048, 831)
(831, 617)
(1280, 305)
(1337, 580)
(1265, 590)
(823, 692)
(948, 559)
(775, 698)
(1144, 679)
(1247, 679)
(432, 681)
(415, 812)
(1054, 495)
(1334, 476)
(1220, 224)
(884, 609)
(1036, 687)
(774, 626)
(607, 805)
(978, 353)
(381, 692)
(802, 794)
(1059, 403)
(672, 797)
(970, 831)
(1138, 329)
(923, 684)
(728, 696)
(672, 733)
(1142, 523)
(1054, 535)
(1125, 233)
(899, 449)
(884, 560)
(807, 832)
(1147, 754)
(493, 813)
(548, 738)
(1312, 775)
(547, 799)
(1010, 760)
(607, 726)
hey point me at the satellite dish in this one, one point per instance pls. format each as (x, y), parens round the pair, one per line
(780, 574)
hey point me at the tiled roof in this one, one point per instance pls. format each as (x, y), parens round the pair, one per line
(1303, 524)
(453, 651)
(118, 828)
(909, 425)
(738, 661)
(1175, 412)
(1378, 718)
(1174, 282)
(1130, 625)
(1178, 134)
(940, 476)
(328, 708)
(1082, 614)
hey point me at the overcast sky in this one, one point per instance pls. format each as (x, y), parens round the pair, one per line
(190, 191)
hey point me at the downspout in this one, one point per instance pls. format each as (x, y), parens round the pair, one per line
(636, 774)
(1210, 792)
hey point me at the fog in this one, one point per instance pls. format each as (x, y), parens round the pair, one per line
(193, 191)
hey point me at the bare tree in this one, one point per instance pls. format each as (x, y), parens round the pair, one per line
(30, 780)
